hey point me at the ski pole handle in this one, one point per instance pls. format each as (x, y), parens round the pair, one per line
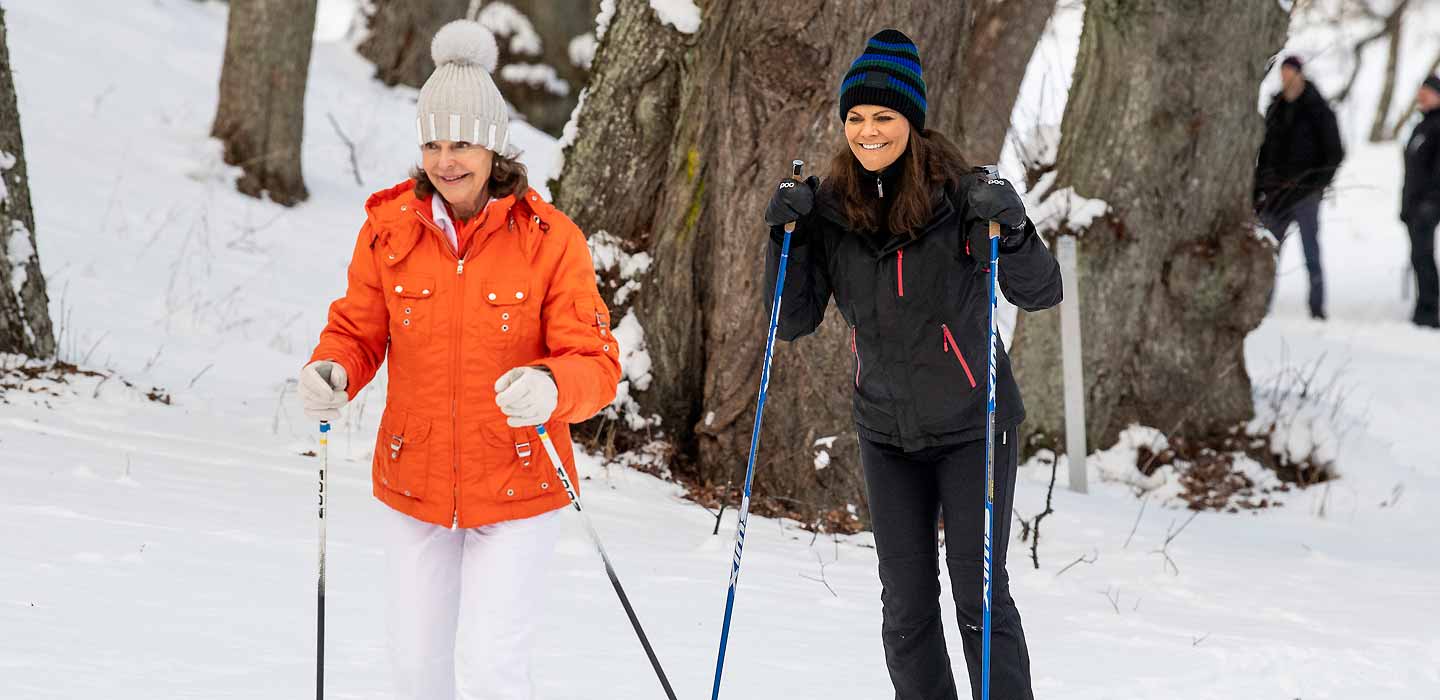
(797, 168)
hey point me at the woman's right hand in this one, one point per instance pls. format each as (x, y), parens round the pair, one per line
(793, 200)
(322, 390)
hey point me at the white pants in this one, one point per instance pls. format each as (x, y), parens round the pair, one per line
(462, 605)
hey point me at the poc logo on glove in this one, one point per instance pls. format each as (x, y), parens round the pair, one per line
(787, 184)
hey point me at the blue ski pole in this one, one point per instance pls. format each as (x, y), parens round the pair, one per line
(994, 173)
(797, 168)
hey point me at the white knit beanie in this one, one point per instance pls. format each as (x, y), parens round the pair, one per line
(460, 101)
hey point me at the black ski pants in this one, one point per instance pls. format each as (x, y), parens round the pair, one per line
(908, 492)
(1427, 282)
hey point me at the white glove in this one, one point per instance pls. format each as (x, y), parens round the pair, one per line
(526, 395)
(322, 389)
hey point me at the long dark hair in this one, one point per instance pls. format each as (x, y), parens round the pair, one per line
(930, 160)
(507, 176)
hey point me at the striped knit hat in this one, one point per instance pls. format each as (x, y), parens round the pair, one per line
(887, 75)
(460, 101)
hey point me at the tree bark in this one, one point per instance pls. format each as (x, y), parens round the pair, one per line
(24, 306)
(681, 140)
(261, 115)
(399, 37)
(1161, 125)
(1001, 42)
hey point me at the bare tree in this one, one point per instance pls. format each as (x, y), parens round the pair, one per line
(1393, 26)
(680, 141)
(523, 79)
(1161, 126)
(399, 37)
(24, 306)
(261, 115)
(1002, 39)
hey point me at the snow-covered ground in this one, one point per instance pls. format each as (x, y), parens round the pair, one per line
(168, 551)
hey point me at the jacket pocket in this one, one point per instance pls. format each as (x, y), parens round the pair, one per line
(951, 346)
(402, 454)
(412, 297)
(508, 312)
(524, 471)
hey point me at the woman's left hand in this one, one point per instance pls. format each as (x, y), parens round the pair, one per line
(526, 395)
(996, 200)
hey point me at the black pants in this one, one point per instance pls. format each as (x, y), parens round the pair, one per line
(1306, 214)
(1427, 282)
(907, 492)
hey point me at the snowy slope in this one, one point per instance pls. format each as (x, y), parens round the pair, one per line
(169, 550)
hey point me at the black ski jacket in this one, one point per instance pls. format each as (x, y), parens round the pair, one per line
(917, 311)
(1421, 197)
(1300, 153)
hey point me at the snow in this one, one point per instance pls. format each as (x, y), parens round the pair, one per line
(536, 75)
(170, 550)
(19, 251)
(504, 20)
(7, 161)
(1063, 208)
(582, 50)
(683, 15)
(603, 18)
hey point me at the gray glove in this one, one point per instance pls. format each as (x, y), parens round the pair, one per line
(322, 390)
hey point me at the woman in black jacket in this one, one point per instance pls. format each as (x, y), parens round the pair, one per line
(897, 233)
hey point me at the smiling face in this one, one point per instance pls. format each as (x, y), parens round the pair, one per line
(460, 172)
(877, 135)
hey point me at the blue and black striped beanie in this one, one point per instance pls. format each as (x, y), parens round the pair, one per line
(887, 75)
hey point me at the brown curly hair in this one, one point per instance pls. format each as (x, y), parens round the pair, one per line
(507, 176)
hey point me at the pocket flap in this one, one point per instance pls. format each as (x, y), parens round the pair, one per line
(591, 310)
(411, 427)
(414, 286)
(506, 292)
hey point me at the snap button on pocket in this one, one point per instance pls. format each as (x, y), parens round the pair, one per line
(519, 295)
(492, 296)
(399, 289)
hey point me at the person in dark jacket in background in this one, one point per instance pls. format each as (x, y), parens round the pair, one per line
(897, 233)
(1420, 202)
(1297, 162)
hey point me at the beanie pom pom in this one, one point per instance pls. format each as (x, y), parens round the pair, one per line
(465, 43)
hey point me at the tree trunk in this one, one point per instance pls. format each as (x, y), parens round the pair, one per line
(261, 115)
(399, 37)
(1161, 125)
(681, 140)
(1387, 92)
(557, 22)
(1001, 42)
(24, 306)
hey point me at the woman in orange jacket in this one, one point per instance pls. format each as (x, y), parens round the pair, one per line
(482, 297)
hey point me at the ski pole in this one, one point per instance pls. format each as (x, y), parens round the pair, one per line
(797, 166)
(609, 569)
(320, 602)
(993, 172)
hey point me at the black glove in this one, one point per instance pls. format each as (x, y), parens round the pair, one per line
(792, 201)
(997, 200)
(977, 241)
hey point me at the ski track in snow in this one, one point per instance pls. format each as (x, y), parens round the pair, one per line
(170, 551)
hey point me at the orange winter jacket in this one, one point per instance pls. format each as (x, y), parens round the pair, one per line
(523, 293)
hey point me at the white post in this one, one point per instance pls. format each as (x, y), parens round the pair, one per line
(1073, 368)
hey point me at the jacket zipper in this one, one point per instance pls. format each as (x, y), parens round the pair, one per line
(900, 271)
(454, 378)
(855, 350)
(951, 344)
